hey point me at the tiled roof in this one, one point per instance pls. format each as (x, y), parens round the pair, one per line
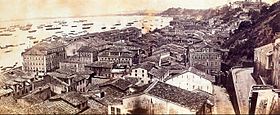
(103, 64)
(192, 100)
(60, 75)
(202, 74)
(158, 72)
(123, 55)
(197, 72)
(53, 107)
(42, 47)
(33, 96)
(95, 108)
(132, 80)
(112, 96)
(145, 65)
(87, 49)
(119, 83)
(71, 97)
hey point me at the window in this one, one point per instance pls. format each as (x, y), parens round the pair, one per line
(135, 74)
(112, 110)
(135, 71)
(118, 111)
(142, 71)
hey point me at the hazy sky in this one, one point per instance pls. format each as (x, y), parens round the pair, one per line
(21, 9)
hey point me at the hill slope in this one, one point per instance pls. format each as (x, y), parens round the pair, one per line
(260, 32)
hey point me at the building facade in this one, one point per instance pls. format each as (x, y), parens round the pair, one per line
(141, 71)
(207, 56)
(43, 57)
(161, 98)
(263, 62)
(276, 64)
(118, 56)
(193, 79)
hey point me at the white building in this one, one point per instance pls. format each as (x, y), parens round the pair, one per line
(162, 98)
(141, 71)
(193, 79)
(263, 100)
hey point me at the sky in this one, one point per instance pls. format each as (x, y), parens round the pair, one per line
(22, 9)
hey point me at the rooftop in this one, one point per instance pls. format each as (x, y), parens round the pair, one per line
(103, 64)
(71, 97)
(158, 72)
(119, 83)
(43, 47)
(53, 107)
(87, 49)
(192, 100)
(145, 65)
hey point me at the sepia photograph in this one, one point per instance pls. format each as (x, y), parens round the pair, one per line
(139, 57)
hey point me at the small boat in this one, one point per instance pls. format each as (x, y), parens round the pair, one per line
(113, 27)
(55, 28)
(72, 34)
(11, 30)
(40, 27)
(85, 27)
(35, 42)
(6, 34)
(3, 28)
(64, 25)
(10, 46)
(48, 25)
(73, 26)
(58, 32)
(24, 28)
(3, 47)
(117, 24)
(31, 37)
(130, 23)
(7, 51)
(135, 21)
(87, 24)
(56, 22)
(72, 31)
(82, 20)
(22, 44)
(103, 27)
(32, 31)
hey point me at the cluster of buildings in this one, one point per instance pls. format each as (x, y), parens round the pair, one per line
(248, 5)
(106, 73)
(265, 96)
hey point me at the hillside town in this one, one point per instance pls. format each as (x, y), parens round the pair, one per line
(183, 68)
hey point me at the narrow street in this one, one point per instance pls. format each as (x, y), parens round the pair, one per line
(222, 101)
(243, 81)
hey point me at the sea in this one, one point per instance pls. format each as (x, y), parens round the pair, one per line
(19, 39)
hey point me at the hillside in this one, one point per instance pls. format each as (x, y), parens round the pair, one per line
(248, 36)
(188, 12)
